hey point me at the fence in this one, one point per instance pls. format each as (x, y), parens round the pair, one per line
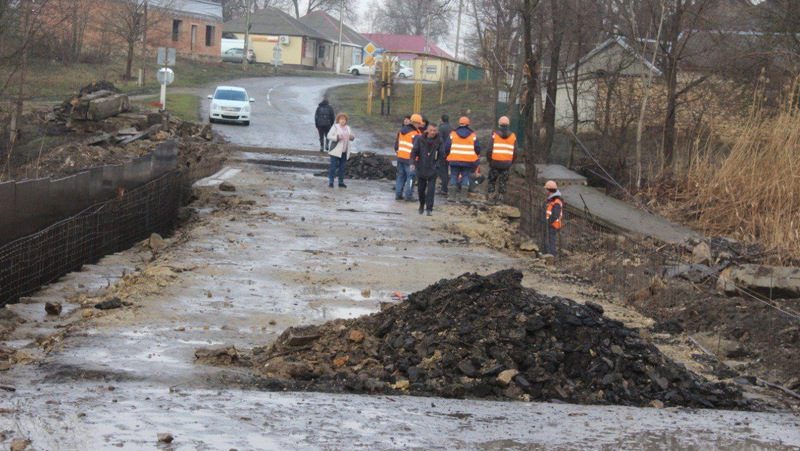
(29, 206)
(101, 229)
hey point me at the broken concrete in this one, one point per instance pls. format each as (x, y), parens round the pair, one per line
(768, 281)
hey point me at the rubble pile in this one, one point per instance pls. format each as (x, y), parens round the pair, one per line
(370, 166)
(487, 337)
(94, 102)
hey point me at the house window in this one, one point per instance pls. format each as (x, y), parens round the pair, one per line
(430, 69)
(321, 52)
(176, 30)
(356, 58)
(209, 35)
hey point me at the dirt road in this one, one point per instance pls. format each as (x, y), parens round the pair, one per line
(286, 251)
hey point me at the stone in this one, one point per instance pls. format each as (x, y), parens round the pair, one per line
(466, 367)
(402, 384)
(301, 340)
(356, 336)
(165, 437)
(701, 254)
(508, 211)
(366, 293)
(19, 444)
(227, 187)
(109, 304)
(53, 308)
(768, 281)
(657, 404)
(217, 356)
(87, 313)
(156, 242)
(528, 246)
(548, 259)
(505, 377)
(341, 361)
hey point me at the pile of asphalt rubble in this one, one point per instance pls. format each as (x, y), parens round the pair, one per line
(368, 166)
(486, 337)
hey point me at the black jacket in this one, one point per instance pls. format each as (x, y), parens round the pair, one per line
(324, 117)
(426, 154)
(504, 133)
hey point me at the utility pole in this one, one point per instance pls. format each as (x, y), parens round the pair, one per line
(458, 25)
(339, 52)
(246, 36)
(144, 45)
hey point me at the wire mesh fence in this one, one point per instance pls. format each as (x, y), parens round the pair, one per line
(104, 228)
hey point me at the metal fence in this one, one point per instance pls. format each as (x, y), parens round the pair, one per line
(101, 229)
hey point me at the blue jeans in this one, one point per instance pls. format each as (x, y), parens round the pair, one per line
(464, 171)
(405, 181)
(337, 164)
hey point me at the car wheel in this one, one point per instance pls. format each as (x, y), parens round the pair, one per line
(211, 121)
(355, 72)
(403, 76)
(246, 123)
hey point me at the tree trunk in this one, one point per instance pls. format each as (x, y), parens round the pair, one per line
(549, 115)
(673, 41)
(531, 127)
(575, 95)
(129, 60)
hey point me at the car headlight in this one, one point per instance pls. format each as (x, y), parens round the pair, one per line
(246, 109)
(214, 106)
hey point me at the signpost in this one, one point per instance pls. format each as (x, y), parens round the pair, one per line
(369, 60)
(165, 75)
(277, 56)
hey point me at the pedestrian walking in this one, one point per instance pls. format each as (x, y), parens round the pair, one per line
(444, 168)
(403, 145)
(340, 137)
(427, 151)
(463, 152)
(553, 217)
(502, 149)
(324, 119)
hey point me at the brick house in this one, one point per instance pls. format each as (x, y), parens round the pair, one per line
(193, 27)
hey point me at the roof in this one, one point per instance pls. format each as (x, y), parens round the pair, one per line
(400, 42)
(273, 22)
(609, 43)
(208, 9)
(231, 88)
(328, 26)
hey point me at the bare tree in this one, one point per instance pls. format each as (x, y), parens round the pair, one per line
(126, 20)
(429, 18)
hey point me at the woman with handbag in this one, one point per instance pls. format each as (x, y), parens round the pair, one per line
(340, 137)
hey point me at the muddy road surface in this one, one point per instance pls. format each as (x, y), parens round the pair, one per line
(286, 250)
(283, 113)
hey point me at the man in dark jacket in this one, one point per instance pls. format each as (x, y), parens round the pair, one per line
(323, 119)
(501, 154)
(463, 155)
(444, 169)
(426, 153)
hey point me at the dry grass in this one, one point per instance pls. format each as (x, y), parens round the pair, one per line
(752, 192)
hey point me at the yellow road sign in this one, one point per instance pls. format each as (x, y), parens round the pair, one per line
(370, 48)
(369, 60)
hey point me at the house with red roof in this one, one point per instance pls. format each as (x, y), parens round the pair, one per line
(426, 58)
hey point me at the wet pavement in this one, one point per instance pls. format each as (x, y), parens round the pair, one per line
(302, 253)
(283, 113)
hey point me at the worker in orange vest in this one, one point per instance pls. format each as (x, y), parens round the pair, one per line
(502, 149)
(403, 145)
(463, 153)
(553, 216)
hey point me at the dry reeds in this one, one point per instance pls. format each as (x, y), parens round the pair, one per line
(752, 191)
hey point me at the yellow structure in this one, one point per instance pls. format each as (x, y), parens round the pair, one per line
(291, 54)
(430, 69)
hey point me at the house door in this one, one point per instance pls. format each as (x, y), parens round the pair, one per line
(194, 38)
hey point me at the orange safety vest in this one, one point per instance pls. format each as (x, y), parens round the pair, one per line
(503, 148)
(558, 223)
(405, 143)
(462, 149)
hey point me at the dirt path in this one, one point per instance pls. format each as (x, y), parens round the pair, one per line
(284, 251)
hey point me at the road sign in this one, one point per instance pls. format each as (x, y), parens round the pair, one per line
(370, 48)
(165, 76)
(277, 55)
(166, 56)
(369, 60)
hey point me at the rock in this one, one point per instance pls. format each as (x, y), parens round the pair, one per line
(656, 404)
(402, 384)
(19, 444)
(701, 254)
(109, 304)
(768, 281)
(366, 293)
(227, 187)
(295, 339)
(165, 437)
(548, 259)
(341, 361)
(356, 336)
(53, 308)
(528, 246)
(596, 307)
(505, 377)
(156, 242)
(507, 211)
(87, 313)
(466, 367)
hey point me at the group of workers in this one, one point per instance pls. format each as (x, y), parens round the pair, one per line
(427, 152)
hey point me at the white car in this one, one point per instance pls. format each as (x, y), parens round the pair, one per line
(229, 104)
(405, 72)
(361, 69)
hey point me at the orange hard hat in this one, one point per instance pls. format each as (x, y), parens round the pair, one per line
(504, 120)
(463, 120)
(551, 185)
(416, 118)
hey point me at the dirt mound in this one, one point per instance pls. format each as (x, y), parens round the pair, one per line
(487, 337)
(370, 166)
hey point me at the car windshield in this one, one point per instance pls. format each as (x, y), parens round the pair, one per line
(229, 94)
(236, 51)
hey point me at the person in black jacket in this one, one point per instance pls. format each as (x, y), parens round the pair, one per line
(426, 154)
(323, 119)
(444, 168)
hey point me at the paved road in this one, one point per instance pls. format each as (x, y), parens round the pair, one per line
(283, 114)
